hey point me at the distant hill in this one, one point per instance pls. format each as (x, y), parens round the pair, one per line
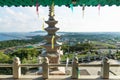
(38, 32)
(78, 35)
(45, 33)
(14, 35)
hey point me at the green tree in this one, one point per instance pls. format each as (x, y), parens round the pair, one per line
(25, 53)
(4, 58)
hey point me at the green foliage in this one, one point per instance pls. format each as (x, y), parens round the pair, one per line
(83, 47)
(63, 57)
(4, 58)
(29, 55)
(77, 47)
(30, 61)
(26, 54)
(6, 71)
(103, 45)
(65, 48)
(11, 43)
(79, 55)
(24, 70)
(118, 55)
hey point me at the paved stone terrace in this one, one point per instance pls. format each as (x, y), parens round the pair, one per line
(57, 77)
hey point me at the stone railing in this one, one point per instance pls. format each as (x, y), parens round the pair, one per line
(45, 67)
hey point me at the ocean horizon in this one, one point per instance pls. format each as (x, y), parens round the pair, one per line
(25, 35)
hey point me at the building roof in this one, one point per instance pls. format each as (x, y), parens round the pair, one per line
(30, 3)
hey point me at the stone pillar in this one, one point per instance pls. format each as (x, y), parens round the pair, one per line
(75, 68)
(45, 67)
(16, 68)
(105, 68)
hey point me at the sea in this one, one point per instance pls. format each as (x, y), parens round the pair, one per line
(17, 35)
(22, 35)
(27, 35)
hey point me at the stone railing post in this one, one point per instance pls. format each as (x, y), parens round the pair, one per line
(75, 68)
(105, 68)
(16, 68)
(45, 68)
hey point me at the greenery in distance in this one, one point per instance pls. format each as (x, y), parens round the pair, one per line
(29, 55)
(12, 43)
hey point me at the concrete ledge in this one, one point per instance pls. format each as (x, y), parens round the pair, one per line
(57, 77)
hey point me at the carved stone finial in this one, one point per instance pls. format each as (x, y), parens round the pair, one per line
(46, 60)
(51, 12)
(105, 59)
(75, 59)
(16, 59)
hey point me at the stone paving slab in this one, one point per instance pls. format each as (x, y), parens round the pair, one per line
(56, 77)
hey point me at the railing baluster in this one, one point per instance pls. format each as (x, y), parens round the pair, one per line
(75, 68)
(16, 68)
(45, 68)
(105, 69)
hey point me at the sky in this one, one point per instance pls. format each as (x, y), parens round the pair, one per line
(25, 19)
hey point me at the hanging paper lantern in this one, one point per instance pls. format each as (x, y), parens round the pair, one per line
(37, 9)
(99, 9)
(71, 7)
(83, 9)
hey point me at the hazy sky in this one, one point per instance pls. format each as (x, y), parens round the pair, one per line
(19, 19)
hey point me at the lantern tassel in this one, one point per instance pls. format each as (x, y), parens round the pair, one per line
(43, 25)
(52, 41)
(37, 9)
(99, 9)
(71, 7)
(83, 9)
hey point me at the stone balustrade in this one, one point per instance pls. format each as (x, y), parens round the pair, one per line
(75, 66)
